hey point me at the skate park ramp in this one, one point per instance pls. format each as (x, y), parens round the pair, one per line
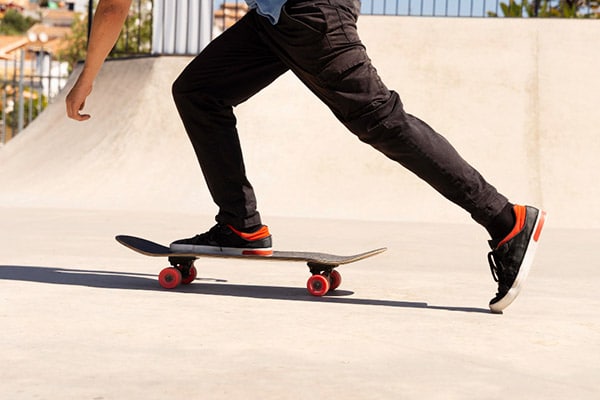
(83, 317)
(500, 109)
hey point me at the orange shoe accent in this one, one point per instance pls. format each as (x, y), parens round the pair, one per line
(538, 231)
(520, 212)
(262, 233)
(257, 252)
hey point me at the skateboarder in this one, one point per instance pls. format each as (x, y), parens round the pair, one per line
(318, 41)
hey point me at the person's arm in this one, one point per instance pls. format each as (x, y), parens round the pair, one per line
(108, 20)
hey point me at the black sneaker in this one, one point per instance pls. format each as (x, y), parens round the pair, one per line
(511, 258)
(224, 239)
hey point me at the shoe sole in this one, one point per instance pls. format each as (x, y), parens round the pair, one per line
(222, 251)
(514, 291)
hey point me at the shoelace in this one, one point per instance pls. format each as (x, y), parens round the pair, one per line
(493, 265)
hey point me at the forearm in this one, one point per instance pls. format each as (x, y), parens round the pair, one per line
(108, 20)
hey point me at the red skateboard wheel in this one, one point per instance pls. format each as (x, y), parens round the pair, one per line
(335, 279)
(317, 285)
(192, 274)
(169, 278)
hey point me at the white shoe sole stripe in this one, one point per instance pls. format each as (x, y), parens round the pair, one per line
(514, 291)
(230, 251)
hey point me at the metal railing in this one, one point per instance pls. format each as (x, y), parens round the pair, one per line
(28, 82)
(483, 8)
(136, 35)
(434, 8)
(463, 8)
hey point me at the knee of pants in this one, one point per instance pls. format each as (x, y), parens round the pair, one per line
(376, 123)
(179, 88)
(197, 99)
(176, 90)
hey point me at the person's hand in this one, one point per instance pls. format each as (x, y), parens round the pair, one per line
(75, 101)
(108, 19)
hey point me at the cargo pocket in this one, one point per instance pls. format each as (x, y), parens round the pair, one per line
(302, 23)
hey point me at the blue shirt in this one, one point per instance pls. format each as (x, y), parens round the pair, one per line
(270, 9)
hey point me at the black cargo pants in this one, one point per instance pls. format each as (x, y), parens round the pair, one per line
(317, 40)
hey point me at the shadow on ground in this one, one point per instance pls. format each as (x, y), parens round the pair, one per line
(208, 286)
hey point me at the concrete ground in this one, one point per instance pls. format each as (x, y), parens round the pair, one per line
(84, 318)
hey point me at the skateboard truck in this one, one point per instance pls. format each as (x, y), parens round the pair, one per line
(324, 278)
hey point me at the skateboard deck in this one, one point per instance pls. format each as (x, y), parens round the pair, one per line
(322, 266)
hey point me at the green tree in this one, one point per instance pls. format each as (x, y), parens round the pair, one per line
(14, 23)
(75, 47)
(550, 9)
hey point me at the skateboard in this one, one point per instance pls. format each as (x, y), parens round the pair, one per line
(324, 277)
